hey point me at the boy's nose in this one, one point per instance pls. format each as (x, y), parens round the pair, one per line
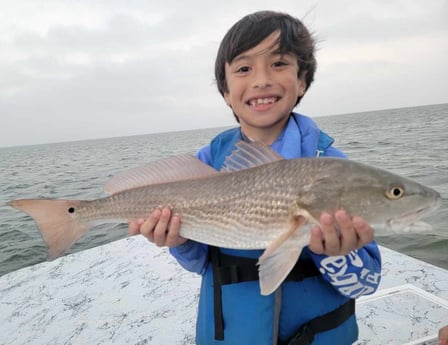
(262, 78)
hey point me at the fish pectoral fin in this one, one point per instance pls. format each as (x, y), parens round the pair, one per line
(280, 257)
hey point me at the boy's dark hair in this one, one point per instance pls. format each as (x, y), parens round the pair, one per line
(254, 28)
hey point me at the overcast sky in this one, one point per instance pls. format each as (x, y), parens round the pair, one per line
(72, 70)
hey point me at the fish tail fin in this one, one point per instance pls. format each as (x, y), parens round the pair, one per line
(56, 220)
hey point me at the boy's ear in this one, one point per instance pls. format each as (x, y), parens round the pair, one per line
(227, 99)
(302, 87)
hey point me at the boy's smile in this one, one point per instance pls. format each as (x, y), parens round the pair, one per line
(263, 87)
(260, 103)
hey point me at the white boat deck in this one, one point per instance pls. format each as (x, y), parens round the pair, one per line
(410, 306)
(130, 292)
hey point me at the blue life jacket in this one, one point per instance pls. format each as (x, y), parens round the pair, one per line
(266, 320)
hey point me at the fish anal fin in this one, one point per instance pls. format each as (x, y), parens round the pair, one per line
(165, 170)
(56, 221)
(280, 256)
(249, 155)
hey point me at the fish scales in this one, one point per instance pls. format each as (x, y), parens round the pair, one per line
(240, 210)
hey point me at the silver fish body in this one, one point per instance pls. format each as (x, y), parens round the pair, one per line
(250, 208)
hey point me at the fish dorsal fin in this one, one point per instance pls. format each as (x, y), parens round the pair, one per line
(249, 155)
(165, 170)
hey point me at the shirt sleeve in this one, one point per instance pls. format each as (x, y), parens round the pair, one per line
(334, 152)
(205, 155)
(193, 255)
(353, 275)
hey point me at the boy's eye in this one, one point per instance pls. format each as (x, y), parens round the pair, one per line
(280, 63)
(243, 69)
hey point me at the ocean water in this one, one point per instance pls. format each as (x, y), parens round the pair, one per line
(410, 141)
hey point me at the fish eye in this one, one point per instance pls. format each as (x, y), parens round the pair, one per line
(395, 192)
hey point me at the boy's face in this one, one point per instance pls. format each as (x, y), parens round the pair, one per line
(263, 87)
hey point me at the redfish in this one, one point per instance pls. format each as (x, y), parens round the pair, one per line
(258, 201)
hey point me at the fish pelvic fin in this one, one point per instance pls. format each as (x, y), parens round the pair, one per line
(281, 255)
(56, 222)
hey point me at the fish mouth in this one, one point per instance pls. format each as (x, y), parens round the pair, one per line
(407, 220)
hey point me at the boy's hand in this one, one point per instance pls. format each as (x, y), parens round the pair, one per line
(340, 234)
(443, 336)
(160, 228)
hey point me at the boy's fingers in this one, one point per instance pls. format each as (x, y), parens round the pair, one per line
(332, 243)
(147, 228)
(348, 238)
(363, 231)
(134, 227)
(316, 241)
(173, 238)
(161, 228)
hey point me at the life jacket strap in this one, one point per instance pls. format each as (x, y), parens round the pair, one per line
(237, 269)
(230, 269)
(323, 323)
(213, 253)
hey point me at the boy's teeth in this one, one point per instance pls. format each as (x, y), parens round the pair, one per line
(262, 101)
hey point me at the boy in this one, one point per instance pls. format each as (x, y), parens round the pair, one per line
(264, 66)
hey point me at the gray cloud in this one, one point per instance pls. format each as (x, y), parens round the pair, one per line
(101, 69)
